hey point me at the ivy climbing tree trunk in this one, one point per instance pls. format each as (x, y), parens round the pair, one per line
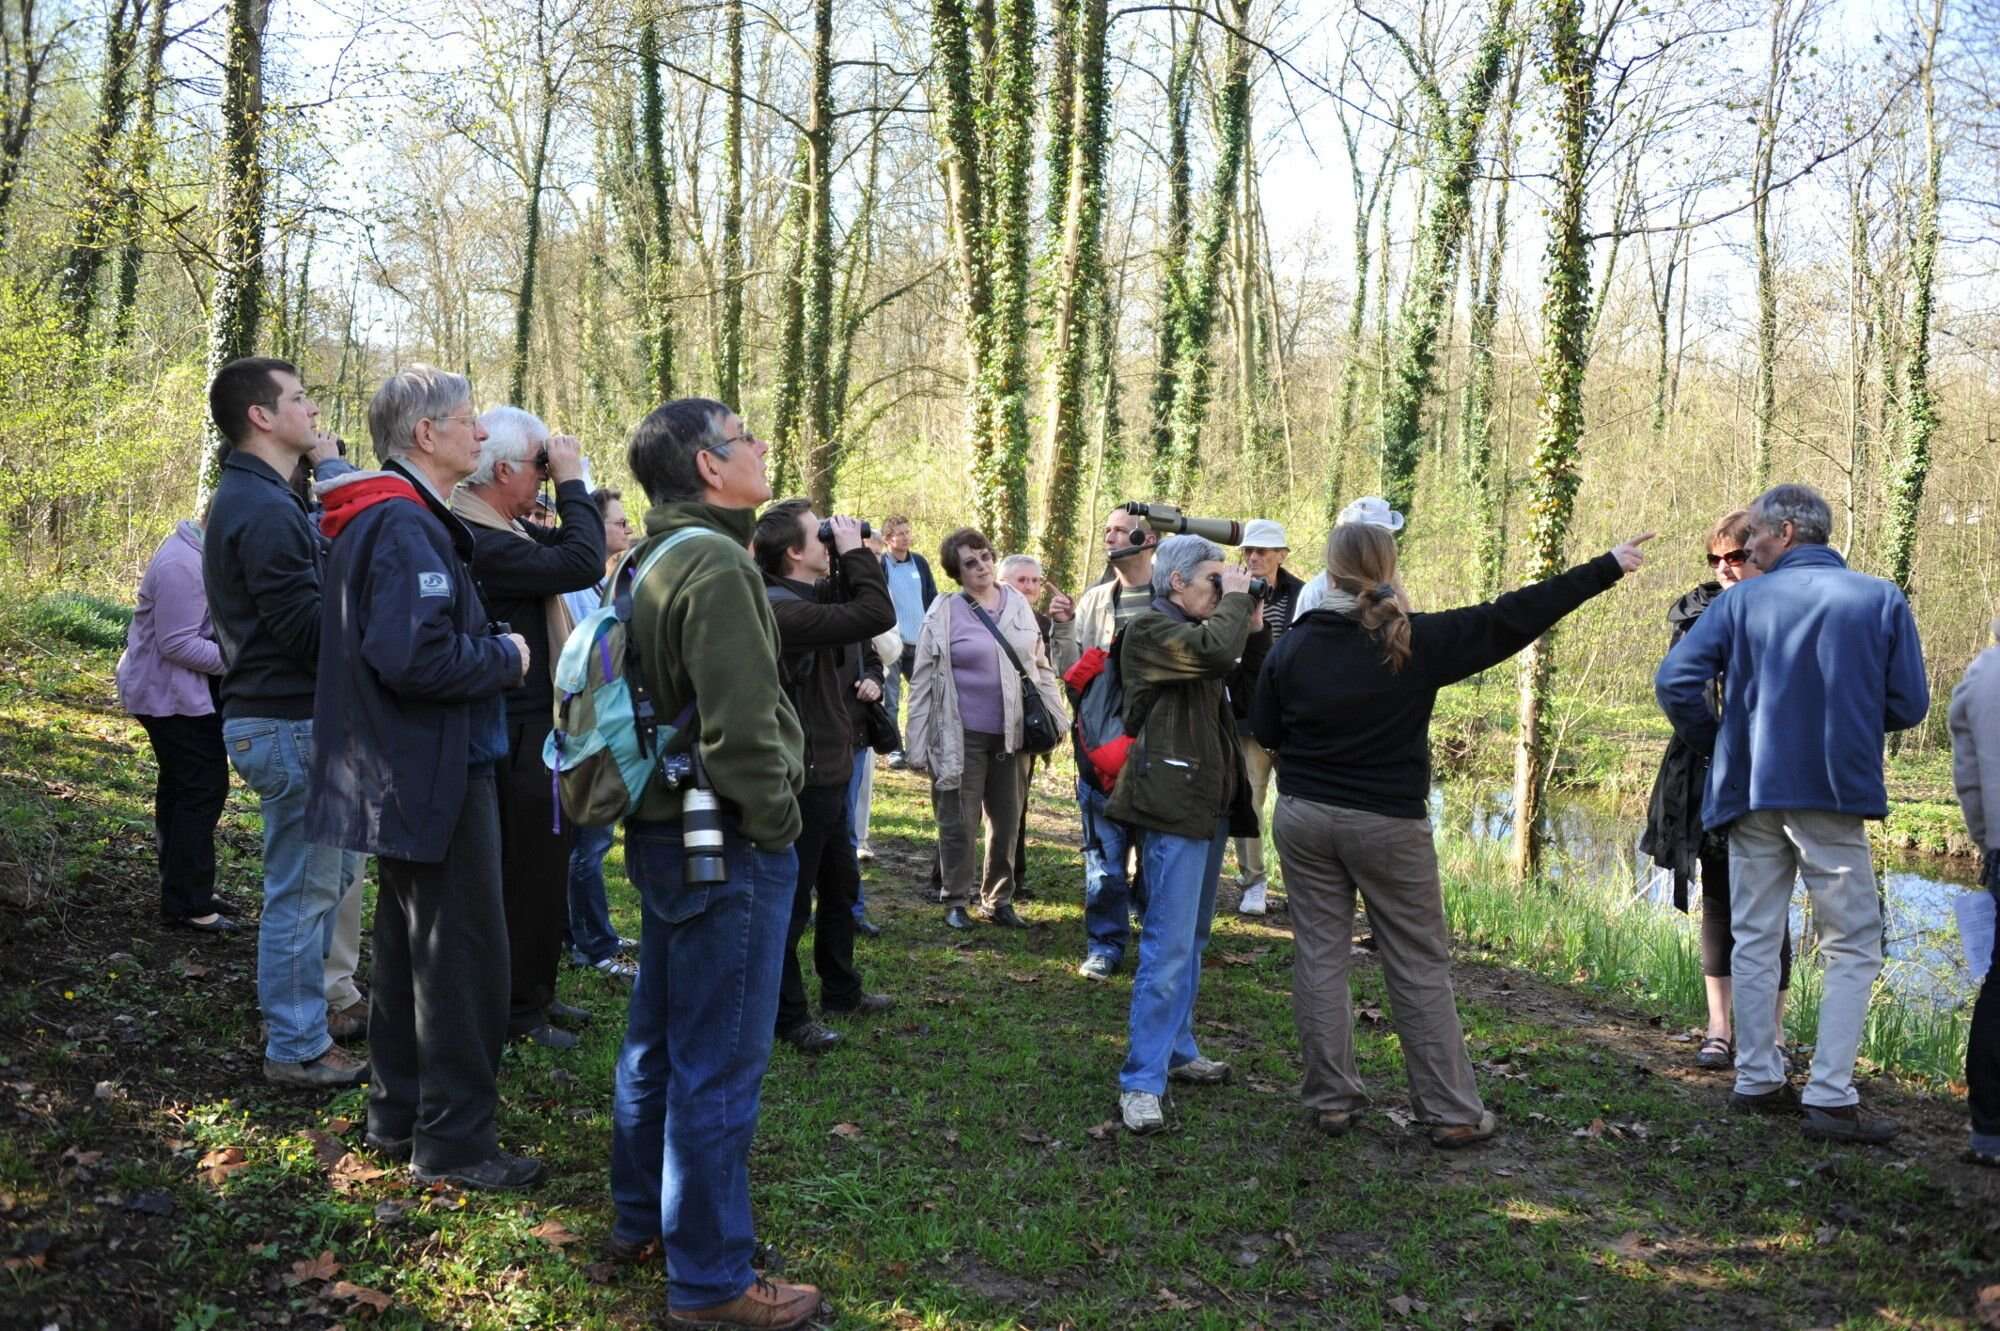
(786, 425)
(1571, 76)
(729, 379)
(1173, 256)
(1906, 490)
(660, 218)
(239, 248)
(1455, 139)
(1197, 307)
(94, 224)
(138, 180)
(1076, 283)
(816, 441)
(1478, 441)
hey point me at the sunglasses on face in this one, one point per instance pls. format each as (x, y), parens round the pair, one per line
(1733, 558)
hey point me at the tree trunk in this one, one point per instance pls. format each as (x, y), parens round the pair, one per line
(1425, 297)
(1478, 447)
(1565, 320)
(1788, 17)
(729, 378)
(26, 68)
(239, 248)
(1366, 197)
(95, 221)
(816, 442)
(787, 427)
(660, 239)
(1012, 121)
(1191, 354)
(1075, 284)
(139, 178)
(1906, 492)
(1173, 261)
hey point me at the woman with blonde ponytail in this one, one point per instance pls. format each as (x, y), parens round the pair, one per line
(1345, 702)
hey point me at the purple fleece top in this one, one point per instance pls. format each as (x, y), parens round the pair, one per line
(170, 650)
(975, 669)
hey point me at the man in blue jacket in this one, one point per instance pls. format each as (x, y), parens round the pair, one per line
(410, 724)
(1817, 662)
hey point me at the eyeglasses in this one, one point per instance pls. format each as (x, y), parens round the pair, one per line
(974, 558)
(1733, 558)
(471, 419)
(745, 438)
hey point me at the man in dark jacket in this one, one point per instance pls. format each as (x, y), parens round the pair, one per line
(260, 568)
(1264, 549)
(523, 570)
(1817, 662)
(698, 1038)
(1183, 791)
(410, 725)
(825, 618)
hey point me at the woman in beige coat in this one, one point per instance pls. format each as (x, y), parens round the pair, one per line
(965, 724)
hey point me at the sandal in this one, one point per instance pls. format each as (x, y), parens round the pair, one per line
(1716, 1053)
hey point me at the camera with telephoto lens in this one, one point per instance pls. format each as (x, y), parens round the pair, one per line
(703, 863)
(1170, 521)
(826, 531)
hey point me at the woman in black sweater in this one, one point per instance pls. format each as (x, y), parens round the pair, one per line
(1345, 702)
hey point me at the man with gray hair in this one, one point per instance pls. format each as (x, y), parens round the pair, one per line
(1817, 662)
(524, 570)
(409, 723)
(1182, 791)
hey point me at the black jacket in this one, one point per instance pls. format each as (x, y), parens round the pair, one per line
(822, 632)
(1674, 834)
(1274, 620)
(517, 578)
(1350, 732)
(260, 566)
(410, 681)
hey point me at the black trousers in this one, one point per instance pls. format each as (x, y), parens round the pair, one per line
(534, 875)
(187, 802)
(438, 1014)
(1982, 1049)
(1718, 939)
(826, 862)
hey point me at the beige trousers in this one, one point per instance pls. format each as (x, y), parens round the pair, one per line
(1331, 856)
(343, 947)
(990, 790)
(1259, 763)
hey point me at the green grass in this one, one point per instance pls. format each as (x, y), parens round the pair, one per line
(980, 1185)
(82, 621)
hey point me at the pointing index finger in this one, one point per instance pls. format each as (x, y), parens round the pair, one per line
(1641, 540)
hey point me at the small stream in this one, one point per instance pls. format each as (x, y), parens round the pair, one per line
(1596, 842)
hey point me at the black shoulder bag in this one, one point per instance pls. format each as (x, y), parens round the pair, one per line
(1040, 732)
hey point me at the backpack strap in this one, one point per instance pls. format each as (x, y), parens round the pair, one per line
(624, 586)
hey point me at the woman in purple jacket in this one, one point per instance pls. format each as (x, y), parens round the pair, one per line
(166, 679)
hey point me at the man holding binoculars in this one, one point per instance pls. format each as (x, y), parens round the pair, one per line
(825, 616)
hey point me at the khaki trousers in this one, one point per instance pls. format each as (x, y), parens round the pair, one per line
(992, 784)
(343, 946)
(1331, 855)
(1258, 762)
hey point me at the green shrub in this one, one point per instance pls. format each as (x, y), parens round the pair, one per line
(85, 621)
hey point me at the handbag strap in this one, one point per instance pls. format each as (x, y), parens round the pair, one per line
(998, 637)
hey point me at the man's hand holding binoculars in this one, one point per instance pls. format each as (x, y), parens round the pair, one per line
(563, 456)
(846, 533)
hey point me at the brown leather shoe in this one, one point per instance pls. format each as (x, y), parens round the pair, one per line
(767, 1305)
(350, 1022)
(1456, 1136)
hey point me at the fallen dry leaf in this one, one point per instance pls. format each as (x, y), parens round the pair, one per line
(81, 1159)
(327, 1148)
(1594, 1131)
(551, 1232)
(1033, 1137)
(1173, 1302)
(1987, 1310)
(1630, 1245)
(322, 1267)
(1403, 1305)
(354, 1293)
(1103, 1131)
(217, 1166)
(340, 1127)
(847, 1130)
(1402, 1118)
(351, 1171)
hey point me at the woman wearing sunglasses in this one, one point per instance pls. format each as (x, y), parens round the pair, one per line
(1675, 837)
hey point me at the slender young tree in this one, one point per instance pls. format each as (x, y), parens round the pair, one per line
(94, 222)
(24, 66)
(1455, 136)
(660, 219)
(817, 444)
(1367, 197)
(1789, 19)
(1487, 493)
(1173, 257)
(1906, 490)
(1570, 72)
(729, 377)
(138, 182)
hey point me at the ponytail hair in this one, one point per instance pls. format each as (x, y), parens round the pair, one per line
(1361, 561)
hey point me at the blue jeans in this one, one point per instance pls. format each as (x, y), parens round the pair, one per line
(302, 886)
(590, 931)
(1109, 902)
(684, 1098)
(860, 787)
(1182, 873)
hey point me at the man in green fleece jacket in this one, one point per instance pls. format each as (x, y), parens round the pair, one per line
(684, 1108)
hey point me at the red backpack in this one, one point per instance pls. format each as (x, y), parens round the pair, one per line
(1097, 716)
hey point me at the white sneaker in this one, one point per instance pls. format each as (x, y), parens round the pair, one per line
(1253, 898)
(618, 968)
(1141, 1111)
(864, 852)
(1201, 1072)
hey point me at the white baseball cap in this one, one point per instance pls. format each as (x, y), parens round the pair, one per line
(1265, 534)
(1372, 509)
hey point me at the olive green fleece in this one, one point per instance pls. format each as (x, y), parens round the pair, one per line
(704, 630)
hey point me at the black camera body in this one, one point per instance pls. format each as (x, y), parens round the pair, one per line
(1258, 588)
(826, 531)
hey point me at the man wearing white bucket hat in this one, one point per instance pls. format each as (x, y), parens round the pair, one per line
(1372, 509)
(1264, 549)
